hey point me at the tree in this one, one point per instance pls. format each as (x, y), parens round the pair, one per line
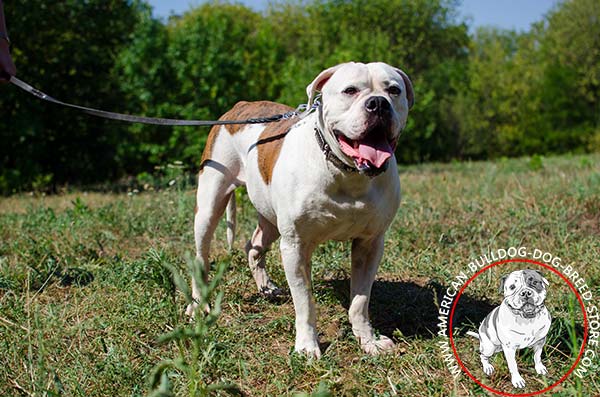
(570, 44)
(195, 67)
(534, 92)
(422, 37)
(496, 93)
(73, 60)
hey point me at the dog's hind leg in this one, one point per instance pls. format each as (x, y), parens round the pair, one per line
(231, 221)
(216, 184)
(263, 237)
(488, 368)
(486, 350)
(212, 201)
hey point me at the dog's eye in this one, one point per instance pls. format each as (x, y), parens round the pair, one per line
(394, 90)
(512, 287)
(350, 90)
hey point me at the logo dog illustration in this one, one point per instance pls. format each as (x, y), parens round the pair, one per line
(522, 320)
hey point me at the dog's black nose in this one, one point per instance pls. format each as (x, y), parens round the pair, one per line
(377, 104)
(526, 294)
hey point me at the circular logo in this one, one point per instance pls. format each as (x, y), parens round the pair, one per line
(531, 341)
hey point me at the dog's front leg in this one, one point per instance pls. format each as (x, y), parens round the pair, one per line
(296, 263)
(515, 377)
(537, 357)
(366, 255)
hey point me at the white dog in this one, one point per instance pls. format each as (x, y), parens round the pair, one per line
(521, 321)
(330, 175)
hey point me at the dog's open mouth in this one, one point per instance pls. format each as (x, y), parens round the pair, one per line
(529, 310)
(370, 152)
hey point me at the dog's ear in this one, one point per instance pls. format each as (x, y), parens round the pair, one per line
(410, 92)
(502, 281)
(318, 83)
(546, 282)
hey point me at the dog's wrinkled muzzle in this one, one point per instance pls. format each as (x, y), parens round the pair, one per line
(372, 150)
(529, 309)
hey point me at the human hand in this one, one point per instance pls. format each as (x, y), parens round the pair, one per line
(7, 67)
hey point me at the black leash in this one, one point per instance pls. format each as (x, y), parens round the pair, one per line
(151, 120)
(301, 111)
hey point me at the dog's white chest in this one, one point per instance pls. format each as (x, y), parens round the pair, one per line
(520, 332)
(325, 207)
(309, 198)
(342, 216)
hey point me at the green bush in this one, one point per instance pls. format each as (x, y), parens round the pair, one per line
(492, 94)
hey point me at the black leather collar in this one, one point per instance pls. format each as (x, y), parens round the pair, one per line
(329, 155)
(333, 159)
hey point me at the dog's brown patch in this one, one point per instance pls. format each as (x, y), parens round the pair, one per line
(269, 145)
(210, 143)
(270, 139)
(240, 111)
(247, 110)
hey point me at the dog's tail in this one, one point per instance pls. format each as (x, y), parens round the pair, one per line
(230, 216)
(471, 333)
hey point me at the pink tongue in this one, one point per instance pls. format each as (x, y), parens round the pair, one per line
(373, 151)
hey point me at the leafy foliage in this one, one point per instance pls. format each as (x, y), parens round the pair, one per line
(196, 344)
(534, 92)
(68, 49)
(491, 94)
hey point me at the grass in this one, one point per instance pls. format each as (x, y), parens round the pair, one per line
(87, 293)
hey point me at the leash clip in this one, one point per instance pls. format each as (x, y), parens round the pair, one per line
(303, 110)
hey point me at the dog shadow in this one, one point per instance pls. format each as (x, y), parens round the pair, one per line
(412, 309)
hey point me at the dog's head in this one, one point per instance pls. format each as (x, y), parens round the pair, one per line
(365, 106)
(525, 291)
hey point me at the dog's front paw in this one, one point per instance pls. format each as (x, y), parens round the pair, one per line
(518, 381)
(309, 349)
(488, 369)
(541, 369)
(374, 347)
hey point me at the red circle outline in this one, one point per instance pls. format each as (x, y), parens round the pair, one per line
(585, 328)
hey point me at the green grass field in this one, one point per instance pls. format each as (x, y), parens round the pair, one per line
(86, 291)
